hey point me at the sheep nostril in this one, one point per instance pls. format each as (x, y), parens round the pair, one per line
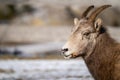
(64, 50)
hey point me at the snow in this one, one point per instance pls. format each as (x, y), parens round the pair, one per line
(44, 70)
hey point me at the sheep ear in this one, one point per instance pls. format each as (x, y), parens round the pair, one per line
(98, 24)
(75, 21)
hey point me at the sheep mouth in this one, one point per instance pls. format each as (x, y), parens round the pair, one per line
(71, 56)
(67, 56)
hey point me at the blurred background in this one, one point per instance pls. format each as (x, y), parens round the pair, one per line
(32, 33)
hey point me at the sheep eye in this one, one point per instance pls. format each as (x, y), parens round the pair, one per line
(86, 34)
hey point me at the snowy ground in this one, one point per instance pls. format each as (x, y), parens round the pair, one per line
(44, 70)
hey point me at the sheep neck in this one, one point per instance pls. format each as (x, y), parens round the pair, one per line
(100, 62)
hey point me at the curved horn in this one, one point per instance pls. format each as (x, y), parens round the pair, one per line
(97, 11)
(87, 11)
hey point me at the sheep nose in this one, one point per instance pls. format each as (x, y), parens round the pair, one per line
(64, 50)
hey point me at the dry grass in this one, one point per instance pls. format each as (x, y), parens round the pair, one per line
(6, 71)
(7, 57)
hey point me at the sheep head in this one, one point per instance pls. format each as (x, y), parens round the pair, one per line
(82, 40)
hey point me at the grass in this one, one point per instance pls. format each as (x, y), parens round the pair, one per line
(6, 71)
(7, 57)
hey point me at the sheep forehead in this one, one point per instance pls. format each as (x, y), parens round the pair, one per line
(84, 27)
(83, 23)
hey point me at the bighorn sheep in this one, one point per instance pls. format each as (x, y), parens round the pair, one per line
(89, 39)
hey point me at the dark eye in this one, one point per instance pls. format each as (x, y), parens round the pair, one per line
(86, 34)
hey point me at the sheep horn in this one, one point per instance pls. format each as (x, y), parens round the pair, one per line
(87, 11)
(97, 11)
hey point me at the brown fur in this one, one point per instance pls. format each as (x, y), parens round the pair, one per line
(104, 62)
